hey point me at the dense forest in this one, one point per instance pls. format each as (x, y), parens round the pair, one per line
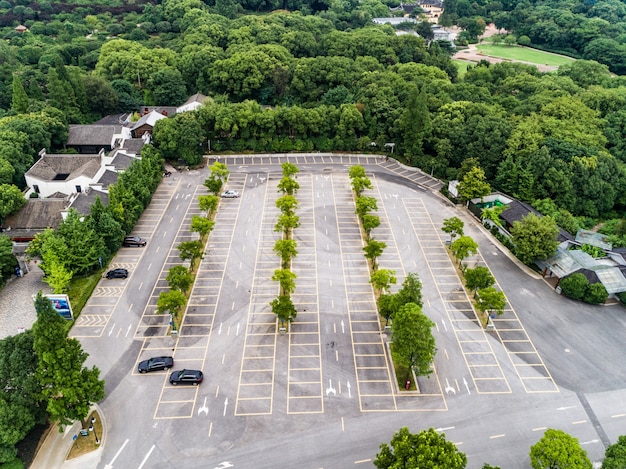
(320, 76)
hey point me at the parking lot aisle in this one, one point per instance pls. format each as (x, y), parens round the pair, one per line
(485, 371)
(373, 379)
(94, 318)
(304, 366)
(256, 376)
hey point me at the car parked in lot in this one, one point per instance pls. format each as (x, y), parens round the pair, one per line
(194, 377)
(230, 194)
(155, 364)
(117, 273)
(132, 241)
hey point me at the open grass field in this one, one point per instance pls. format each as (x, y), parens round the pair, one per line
(523, 54)
(461, 65)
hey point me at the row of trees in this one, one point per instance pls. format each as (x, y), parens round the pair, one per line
(181, 278)
(82, 244)
(43, 377)
(286, 247)
(429, 449)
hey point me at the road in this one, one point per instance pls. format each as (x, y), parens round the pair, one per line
(323, 394)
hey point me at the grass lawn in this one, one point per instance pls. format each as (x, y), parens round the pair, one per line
(86, 444)
(80, 290)
(523, 54)
(461, 65)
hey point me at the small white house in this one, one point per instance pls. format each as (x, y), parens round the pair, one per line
(192, 104)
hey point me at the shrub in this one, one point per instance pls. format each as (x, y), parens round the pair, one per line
(595, 294)
(574, 286)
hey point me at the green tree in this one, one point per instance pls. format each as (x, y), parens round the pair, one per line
(284, 309)
(58, 277)
(287, 280)
(415, 123)
(534, 238)
(615, 455)
(382, 279)
(453, 226)
(478, 278)
(179, 278)
(373, 250)
(369, 223)
(201, 225)
(463, 248)
(364, 205)
(85, 247)
(287, 204)
(171, 302)
(287, 222)
(20, 400)
(473, 185)
(558, 449)
(489, 299)
(359, 184)
(595, 294)
(208, 203)
(288, 185)
(7, 259)
(11, 200)
(287, 250)
(356, 171)
(412, 341)
(427, 449)
(410, 292)
(19, 98)
(69, 387)
(191, 250)
(289, 169)
(213, 184)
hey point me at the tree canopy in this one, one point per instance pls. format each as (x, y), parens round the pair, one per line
(558, 449)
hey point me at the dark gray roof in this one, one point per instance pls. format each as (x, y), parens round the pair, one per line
(198, 97)
(113, 119)
(516, 210)
(82, 203)
(49, 166)
(92, 134)
(133, 145)
(37, 214)
(590, 275)
(122, 161)
(149, 119)
(108, 178)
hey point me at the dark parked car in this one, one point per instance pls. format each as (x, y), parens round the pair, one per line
(130, 241)
(117, 273)
(155, 364)
(186, 377)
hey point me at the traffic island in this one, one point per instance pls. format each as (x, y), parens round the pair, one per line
(88, 438)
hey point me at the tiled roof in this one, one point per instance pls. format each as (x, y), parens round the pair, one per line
(82, 203)
(122, 161)
(48, 167)
(108, 178)
(133, 145)
(148, 119)
(37, 214)
(92, 134)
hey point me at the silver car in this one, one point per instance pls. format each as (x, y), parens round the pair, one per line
(230, 194)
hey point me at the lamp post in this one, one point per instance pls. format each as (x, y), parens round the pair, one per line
(93, 429)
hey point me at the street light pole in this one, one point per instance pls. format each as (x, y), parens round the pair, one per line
(93, 429)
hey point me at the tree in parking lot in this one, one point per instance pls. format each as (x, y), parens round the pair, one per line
(288, 186)
(219, 171)
(373, 250)
(364, 205)
(382, 279)
(286, 249)
(356, 171)
(191, 250)
(287, 204)
(214, 185)
(68, 387)
(171, 302)
(490, 299)
(179, 278)
(289, 169)
(478, 278)
(453, 226)
(615, 455)
(201, 225)
(284, 309)
(369, 223)
(464, 247)
(557, 449)
(359, 184)
(287, 222)
(427, 449)
(208, 203)
(413, 344)
(287, 280)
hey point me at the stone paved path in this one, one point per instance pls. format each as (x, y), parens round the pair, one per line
(17, 311)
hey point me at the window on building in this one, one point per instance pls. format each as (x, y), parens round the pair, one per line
(36, 188)
(78, 189)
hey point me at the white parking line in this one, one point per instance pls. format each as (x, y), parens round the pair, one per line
(146, 458)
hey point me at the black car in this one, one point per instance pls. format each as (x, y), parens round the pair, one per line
(131, 241)
(117, 273)
(186, 377)
(155, 364)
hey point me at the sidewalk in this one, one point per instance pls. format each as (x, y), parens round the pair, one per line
(17, 310)
(56, 447)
